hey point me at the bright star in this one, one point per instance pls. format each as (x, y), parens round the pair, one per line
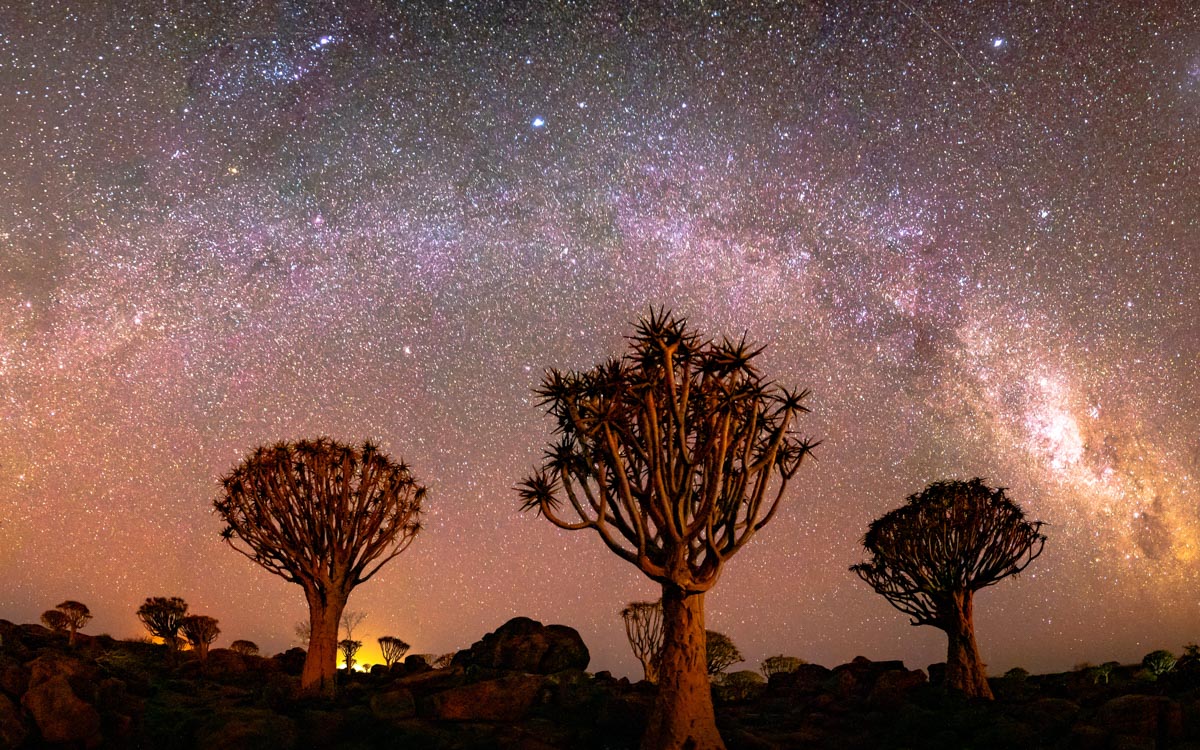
(538, 122)
(998, 42)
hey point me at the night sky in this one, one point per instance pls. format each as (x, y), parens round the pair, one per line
(972, 229)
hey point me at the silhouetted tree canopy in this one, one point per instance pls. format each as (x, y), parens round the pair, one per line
(779, 665)
(326, 516)
(200, 631)
(244, 647)
(55, 620)
(719, 652)
(162, 617)
(929, 557)
(77, 615)
(392, 648)
(349, 648)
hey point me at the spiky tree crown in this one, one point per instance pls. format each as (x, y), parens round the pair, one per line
(392, 648)
(951, 538)
(719, 652)
(55, 620)
(77, 613)
(199, 629)
(163, 616)
(320, 513)
(675, 454)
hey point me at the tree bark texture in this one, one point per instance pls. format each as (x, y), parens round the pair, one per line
(320, 663)
(682, 717)
(964, 667)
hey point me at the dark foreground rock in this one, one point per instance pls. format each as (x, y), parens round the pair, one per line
(525, 645)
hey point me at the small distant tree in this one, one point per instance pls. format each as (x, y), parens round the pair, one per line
(1102, 674)
(55, 620)
(326, 516)
(779, 665)
(200, 631)
(349, 648)
(1191, 651)
(676, 455)
(1158, 663)
(245, 648)
(77, 615)
(1017, 674)
(162, 617)
(443, 661)
(393, 649)
(929, 557)
(719, 652)
(644, 629)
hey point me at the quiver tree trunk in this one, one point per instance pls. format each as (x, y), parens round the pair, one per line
(320, 666)
(683, 712)
(964, 667)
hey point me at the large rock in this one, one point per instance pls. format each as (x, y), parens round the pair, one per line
(525, 645)
(59, 713)
(223, 662)
(393, 705)
(1148, 716)
(14, 677)
(12, 729)
(892, 688)
(247, 729)
(506, 699)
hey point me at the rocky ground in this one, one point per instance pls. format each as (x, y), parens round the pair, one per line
(525, 687)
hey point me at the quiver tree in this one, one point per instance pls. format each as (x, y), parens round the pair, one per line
(779, 665)
(392, 648)
(199, 631)
(326, 516)
(77, 615)
(162, 617)
(349, 648)
(243, 647)
(675, 455)
(644, 629)
(719, 652)
(55, 620)
(929, 557)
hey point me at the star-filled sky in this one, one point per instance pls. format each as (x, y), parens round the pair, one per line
(972, 229)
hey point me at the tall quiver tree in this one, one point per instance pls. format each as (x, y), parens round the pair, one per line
(929, 557)
(324, 515)
(676, 455)
(77, 615)
(644, 629)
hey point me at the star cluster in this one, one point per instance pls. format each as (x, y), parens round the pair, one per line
(971, 230)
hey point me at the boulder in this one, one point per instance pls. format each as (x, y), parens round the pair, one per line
(247, 729)
(14, 678)
(393, 705)
(1153, 717)
(81, 675)
(892, 688)
(12, 729)
(291, 661)
(506, 699)
(223, 662)
(525, 645)
(59, 713)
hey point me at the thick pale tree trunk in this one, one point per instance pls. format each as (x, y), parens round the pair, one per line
(682, 716)
(71, 638)
(964, 668)
(320, 663)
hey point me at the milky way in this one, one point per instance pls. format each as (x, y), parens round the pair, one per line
(972, 230)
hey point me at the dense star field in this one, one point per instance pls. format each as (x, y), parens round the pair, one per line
(971, 229)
